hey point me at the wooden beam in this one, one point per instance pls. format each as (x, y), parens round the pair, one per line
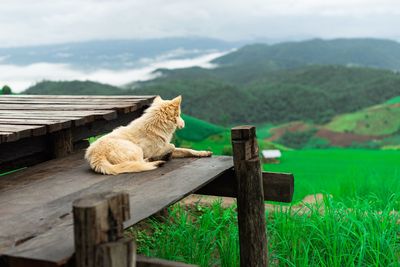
(277, 186)
(250, 199)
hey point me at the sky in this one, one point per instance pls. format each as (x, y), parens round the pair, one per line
(27, 22)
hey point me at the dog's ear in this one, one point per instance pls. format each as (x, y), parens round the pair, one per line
(177, 100)
(157, 99)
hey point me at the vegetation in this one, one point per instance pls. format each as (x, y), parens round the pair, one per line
(362, 52)
(377, 120)
(356, 228)
(6, 90)
(197, 130)
(73, 88)
(311, 81)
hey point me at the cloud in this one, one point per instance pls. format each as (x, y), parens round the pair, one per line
(20, 78)
(26, 22)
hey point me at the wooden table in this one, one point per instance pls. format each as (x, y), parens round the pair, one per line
(36, 128)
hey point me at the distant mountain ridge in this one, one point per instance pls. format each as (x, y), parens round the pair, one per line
(377, 53)
(113, 54)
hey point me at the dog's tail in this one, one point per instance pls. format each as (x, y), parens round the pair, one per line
(102, 165)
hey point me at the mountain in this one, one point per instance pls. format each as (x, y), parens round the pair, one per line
(375, 53)
(377, 126)
(311, 93)
(311, 81)
(113, 54)
(73, 88)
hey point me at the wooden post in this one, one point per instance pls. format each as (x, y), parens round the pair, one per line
(61, 143)
(98, 231)
(250, 199)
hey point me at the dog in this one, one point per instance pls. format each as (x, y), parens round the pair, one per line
(144, 144)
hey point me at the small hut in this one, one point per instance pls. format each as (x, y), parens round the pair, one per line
(271, 155)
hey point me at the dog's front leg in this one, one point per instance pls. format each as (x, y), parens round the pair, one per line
(186, 153)
(164, 153)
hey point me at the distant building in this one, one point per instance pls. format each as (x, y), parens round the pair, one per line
(271, 155)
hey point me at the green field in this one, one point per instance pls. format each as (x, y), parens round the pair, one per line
(377, 120)
(359, 225)
(356, 229)
(344, 173)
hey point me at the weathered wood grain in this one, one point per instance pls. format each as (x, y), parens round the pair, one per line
(98, 219)
(278, 187)
(52, 125)
(46, 218)
(78, 96)
(124, 108)
(25, 116)
(250, 199)
(121, 253)
(24, 130)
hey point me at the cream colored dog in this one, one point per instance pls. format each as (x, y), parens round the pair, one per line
(144, 143)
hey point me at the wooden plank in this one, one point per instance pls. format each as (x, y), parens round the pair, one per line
(77, 121)
(6, 136)
(79, 96)
(32, 213)
(74, 113)
(124, 108)
(24, 130)
(71, 101)
(16, 153)
(78, 117)
(250, 199)
(52, 125)
(278, 187)
(23, 152)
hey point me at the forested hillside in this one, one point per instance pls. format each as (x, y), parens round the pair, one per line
(376, 53)
(315, 93)
(272, 83)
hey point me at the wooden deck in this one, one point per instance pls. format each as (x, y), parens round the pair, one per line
(23, 116)
(31, 125)
(35, 204)
(49, 133)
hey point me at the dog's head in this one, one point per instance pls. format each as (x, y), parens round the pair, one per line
(170, 110)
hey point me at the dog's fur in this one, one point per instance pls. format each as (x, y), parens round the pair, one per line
(144, 144)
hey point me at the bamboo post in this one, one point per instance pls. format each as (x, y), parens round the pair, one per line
(250, 199)
(98, 231)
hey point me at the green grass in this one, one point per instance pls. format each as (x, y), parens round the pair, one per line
(208, 236)
(394, 100)
(341, 172)
(356, 229)
(197, 130)
(378, 120)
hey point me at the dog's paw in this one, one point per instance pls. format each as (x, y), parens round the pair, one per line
(158, 163)
(166, 157)
(204, 154)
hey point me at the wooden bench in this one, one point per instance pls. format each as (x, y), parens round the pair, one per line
(36, 220)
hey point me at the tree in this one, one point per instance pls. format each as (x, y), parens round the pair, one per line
(6, 90)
